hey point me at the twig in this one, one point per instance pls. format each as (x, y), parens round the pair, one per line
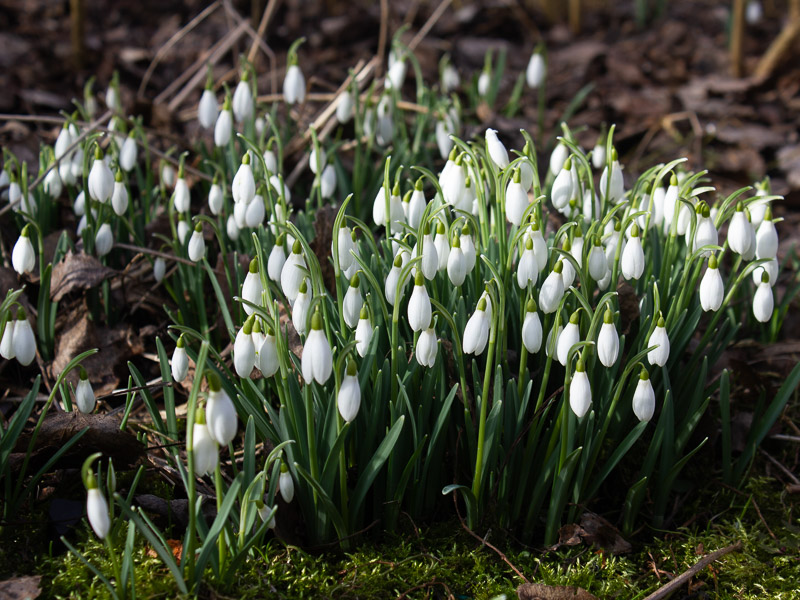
(775, 462)
(763, 520)
(426, 585)
(382, 33)
(670, 587)
(435, 16)
(775, 53)
(272, 6)
(785, 438)
(143, 250)
(258, 42)
(737, 37)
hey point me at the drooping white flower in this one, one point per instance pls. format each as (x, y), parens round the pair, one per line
(599, 153)
(7, 342)
(180, 361)
(294, 85)
(243, 188)
(598, 265)
(430, 257)
(767, 237)
(396, 216)
(476, 333)
(181, 197)
(244, 351)
(317, 360)
(608, 341)
(644, 398)
(97, 511)
(197, 245)
(468, 247)
(763, 301)
(101, 180)
(536, 70)
(327, 182)
(419, 305)
(712, 290)
(277, 258)
(484, 79)
(207, 110)
(254, 212)
(516, 199)
(363, 333)
(670, 199)
(216, 197)
(119, 198)
(570, 336)
(558, 157)
(562, 191)
(348, 400)
(442, 245)
(552, 289)
(182, 229)
(292, 274)
(496, 150)
(317, 162)
(84, 395)
(528, 267)
(252, 288)
(632, 259)
(243, 106)
(390, 286)
(205, 450)
(453, 181)
(103, 240)
(616, 186)
(220, 413)
(771, 268)
(344, 108)
(63, 141)
(223, 129)
(52, 184)
(159, 269)
(531, 328)
(352, 303)
(660, 354)
(580, 391)
(23, 257)
(396, 74)
(268, 362)
(416, 205)
(741, 233)
(24, 340)
(442, 134)
(456, 263)
(286, 483)
(705, 232)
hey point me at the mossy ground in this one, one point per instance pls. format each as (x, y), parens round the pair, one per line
(440, 560)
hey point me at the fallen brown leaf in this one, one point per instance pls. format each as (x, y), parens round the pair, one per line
(21, 588)
(77, 272)
(539, 591)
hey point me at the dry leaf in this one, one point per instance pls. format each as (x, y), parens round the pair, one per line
(595, 530)
(77, 272)
(21, 588)
(539, 591)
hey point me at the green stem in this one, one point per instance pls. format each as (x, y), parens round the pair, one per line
(477, 483)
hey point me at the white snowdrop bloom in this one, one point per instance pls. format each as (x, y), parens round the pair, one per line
(244, 351)
(453, 182)
(315, 163)
(181, 197)
(197, 245)
(220, 413)
(741, 233)
(23, 257)
(159, 269)
(516, 199)
(528, 268)
(205, 450)
(580, 391)
(103, 240)
(632, 259)
(344, 108)
(598, 265)
(286, 484)
(277, 258)
(570, 336)
(119, 197)
(450, 79)
(352, 303)
(531, 328)
(705, 232)
(271, 162)
(568, 271)
(182, 229)
(84, 394)
(345, 243)
(14, 192)
(255, 211)
(670, 198)
(483, 83)
(348, 400)
(536, 70)
(608, 341)
(252, 288)
(317, 360)
(753, 13)
(243, 188)
(767, 237)
(112, 95)
(419, 305)
(427, 348)
(240, 214)
(552, 337)
(558, 157)
(243, 106)
(292, 272)
(763, 302)
(444, 142)
(396, 75)
(180, 361)
(416, 206)
(97, 511)
(264, 513)
(616, 186)
(468, 248)
(294, 85)
(659, 206)
(363, 333)
(644, 398)
(7, 342)
(539, 245)
(599, 154)
(684, 218)
(268, 355)
(712, 290)
(327, 182)
(552, 289)
(64, 172)
(430, 257)
(216, 197)
(24, 341)
(207, 110)
(660, 355)
(52, 183)
(223, 128)
(63, 141)
(496, 150)
(576, 251)
(562, 191)
(442, 246)
(476, 333)
(76, 167)
(101, 181)
(771, 268)
(258, 340)
(456, 264)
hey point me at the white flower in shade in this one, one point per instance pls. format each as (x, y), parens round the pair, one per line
(363, 333)
(670, 199)
(345, 243)
(570, 336)
(348, 400)
(294, 85)
(183, 229)
(84, 395)
(767, 237)
(390, 287)
(207, 110)
(442, 245)
(536, 71)
(97, 510)
(644, 398)
(552, 337)
(453, 181)
(539, 245)
(223, 129)
(264, 513)
(660, 354)
(532, 328)
(450, 79)
(244, 351)
(119, 198)
(558, 157)
(23, 257)
(599, 154)
(608, 341)
(705, 233)
(252, 288)
(516, 199)
(442, 134)
(327, 182)
(352, 303)
(616, 186)
(580, 392)
(216, 197)
(396, 215)
(317, 162)
(168, 175)
(205, 450)
(101, 180)
(430, 256)
(220, 412)
(496, 150)
(483, 83)
(419, 305)
(243, 107)
(632, 260)
(180, 361)
(562, 191)
(292, 274)
(197, 245)
(52, 183)
(103, 240)
(255, 211)
(300, 308)
(181, 197)
(258, 341)
(528, 267)
(598, 265)
(159, 269)
(271, 162)
(416, 206)
(79, 206)
(243, 188)
(763, 301)
(468, 248)
(24, 341)
(240, 214)
(276, 260)
(396, 75)
(317, 360)
(7, 342)
(476, 333)
(427, 348)
(63, 142)
(344, 108)
(741, 233)
(552, 289)
(286, 484)
(712, 290)
(456, 263)
(268, 362)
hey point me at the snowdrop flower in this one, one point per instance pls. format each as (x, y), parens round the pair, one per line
(280, 188)
(598, 265)
(659, 206)
(552, 289)
(294, 84)
(243, 187)
(531, 328)
(271, 162)
(220, 412)
(496, 150)
(23, 257)
(268, 362)
(570, 336)
(608, 341)
(84, 395)
(223, 129)
(442, 246)
(644, 398)
(468, 248)
(52, 183)
(255, 210)
(476, 333)
(599, 153)
(180, 361)
(396, 216)
(159, 269)
(112, 94)
(562, 191)
(535, 73)
(484, 79)
(453, 182)
(286, 484)
(632, 259)
(345, 244)
(103, 240)
(182, 229)
(348, 400)
(516, 199)
(205, 450)
(317, 360)
(119, 197)
(216, 196)
(363, 333)
(258, 341)
(252, 288)
(442, 134)
(528, 268)
(450, 79)
(660, 354)
(430, 256)
(416, 205)
(264, 513)
(277, 258)
(292, 272)
(97, 508)
(427, 348)
(558, 157)
(181, 197)
(344, 108)
(712, 289)
(419, 305)
(397, 72)
(763, 302)
(352, 303)
(539, 245)
(24, 341)
(101, 181)
(208, 110)
(670, 198)
(767, 237)
(580, 392)
(316, 162)
(244, 352)
(741, 234)
(243, 107)
(616, 186)
(197, 245)
(390, 287)
(327, 182)
(63, 141)
(7, 342)
(705, 232)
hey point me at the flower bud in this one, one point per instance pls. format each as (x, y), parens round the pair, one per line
(84, 395)
(580, 391)
(644, 398)
(349, 398)
(23, 257)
